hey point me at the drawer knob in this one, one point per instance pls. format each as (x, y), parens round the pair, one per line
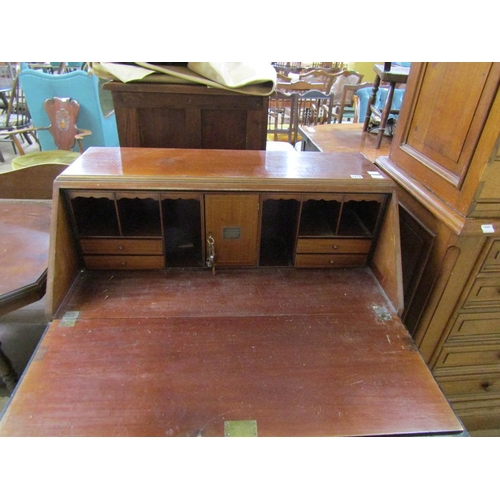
(485, 385)
(120, 247)
(123, 264)
(335, 247)
(331, 261)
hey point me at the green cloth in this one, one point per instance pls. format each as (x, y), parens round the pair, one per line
(57, 157)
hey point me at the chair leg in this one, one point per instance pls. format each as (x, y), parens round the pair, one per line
(27, 137)
(7, 372)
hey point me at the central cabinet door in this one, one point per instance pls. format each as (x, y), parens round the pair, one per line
(232, 221)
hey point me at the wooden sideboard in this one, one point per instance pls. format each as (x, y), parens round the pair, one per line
(291, 335)
(445, 160)
(159, 115)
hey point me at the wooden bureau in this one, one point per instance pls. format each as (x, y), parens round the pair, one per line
(293, 332)
(445, 160)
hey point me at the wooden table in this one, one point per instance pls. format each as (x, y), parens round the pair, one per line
(343, 138)
(394, 76)
(279, 349)
(24, 248)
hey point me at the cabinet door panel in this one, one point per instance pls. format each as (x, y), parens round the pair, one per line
(233, 222)
(449, 96)
(439, 138)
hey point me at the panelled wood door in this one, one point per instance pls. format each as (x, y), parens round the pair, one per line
(232, 220)
(443, 115)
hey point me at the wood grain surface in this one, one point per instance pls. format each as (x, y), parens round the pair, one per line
(178, 353)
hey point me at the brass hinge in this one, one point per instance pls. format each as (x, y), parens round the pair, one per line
(240, 428)
(69, 318)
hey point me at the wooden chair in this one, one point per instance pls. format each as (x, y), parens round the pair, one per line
(347, 103)
(7, 74)
(339, 81)
(362, 98)
(16, 115)
(282, 78)
(321, 77)
(63, 115)
(342, 78)
(282, 115)
(297, 87)
(313, 108)
(96, 106)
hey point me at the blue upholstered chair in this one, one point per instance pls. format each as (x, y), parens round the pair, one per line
(96, 111)
(362, 96)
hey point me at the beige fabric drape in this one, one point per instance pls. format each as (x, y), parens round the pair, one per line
(243, 77)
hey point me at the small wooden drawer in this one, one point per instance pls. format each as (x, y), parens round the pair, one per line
(121, 246)
(492, 261)
(485, 292)
(476, 355)
(333, 245)
(330, 260)
(469, 326)
(124, 262)
(473, 387)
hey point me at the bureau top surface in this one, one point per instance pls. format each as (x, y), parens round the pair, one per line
(226, 169)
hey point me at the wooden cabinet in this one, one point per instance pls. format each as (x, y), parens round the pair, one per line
(188, 116)
(445, 159)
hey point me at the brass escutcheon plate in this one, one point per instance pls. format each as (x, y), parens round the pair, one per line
(240, 428)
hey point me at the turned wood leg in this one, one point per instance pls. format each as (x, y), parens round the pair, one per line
(7, 372)
(385, 114)
(373, 96)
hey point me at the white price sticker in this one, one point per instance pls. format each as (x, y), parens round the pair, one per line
(487, 228)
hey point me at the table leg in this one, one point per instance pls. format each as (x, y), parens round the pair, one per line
(7, 372)
(385, 114)
(373, 96)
